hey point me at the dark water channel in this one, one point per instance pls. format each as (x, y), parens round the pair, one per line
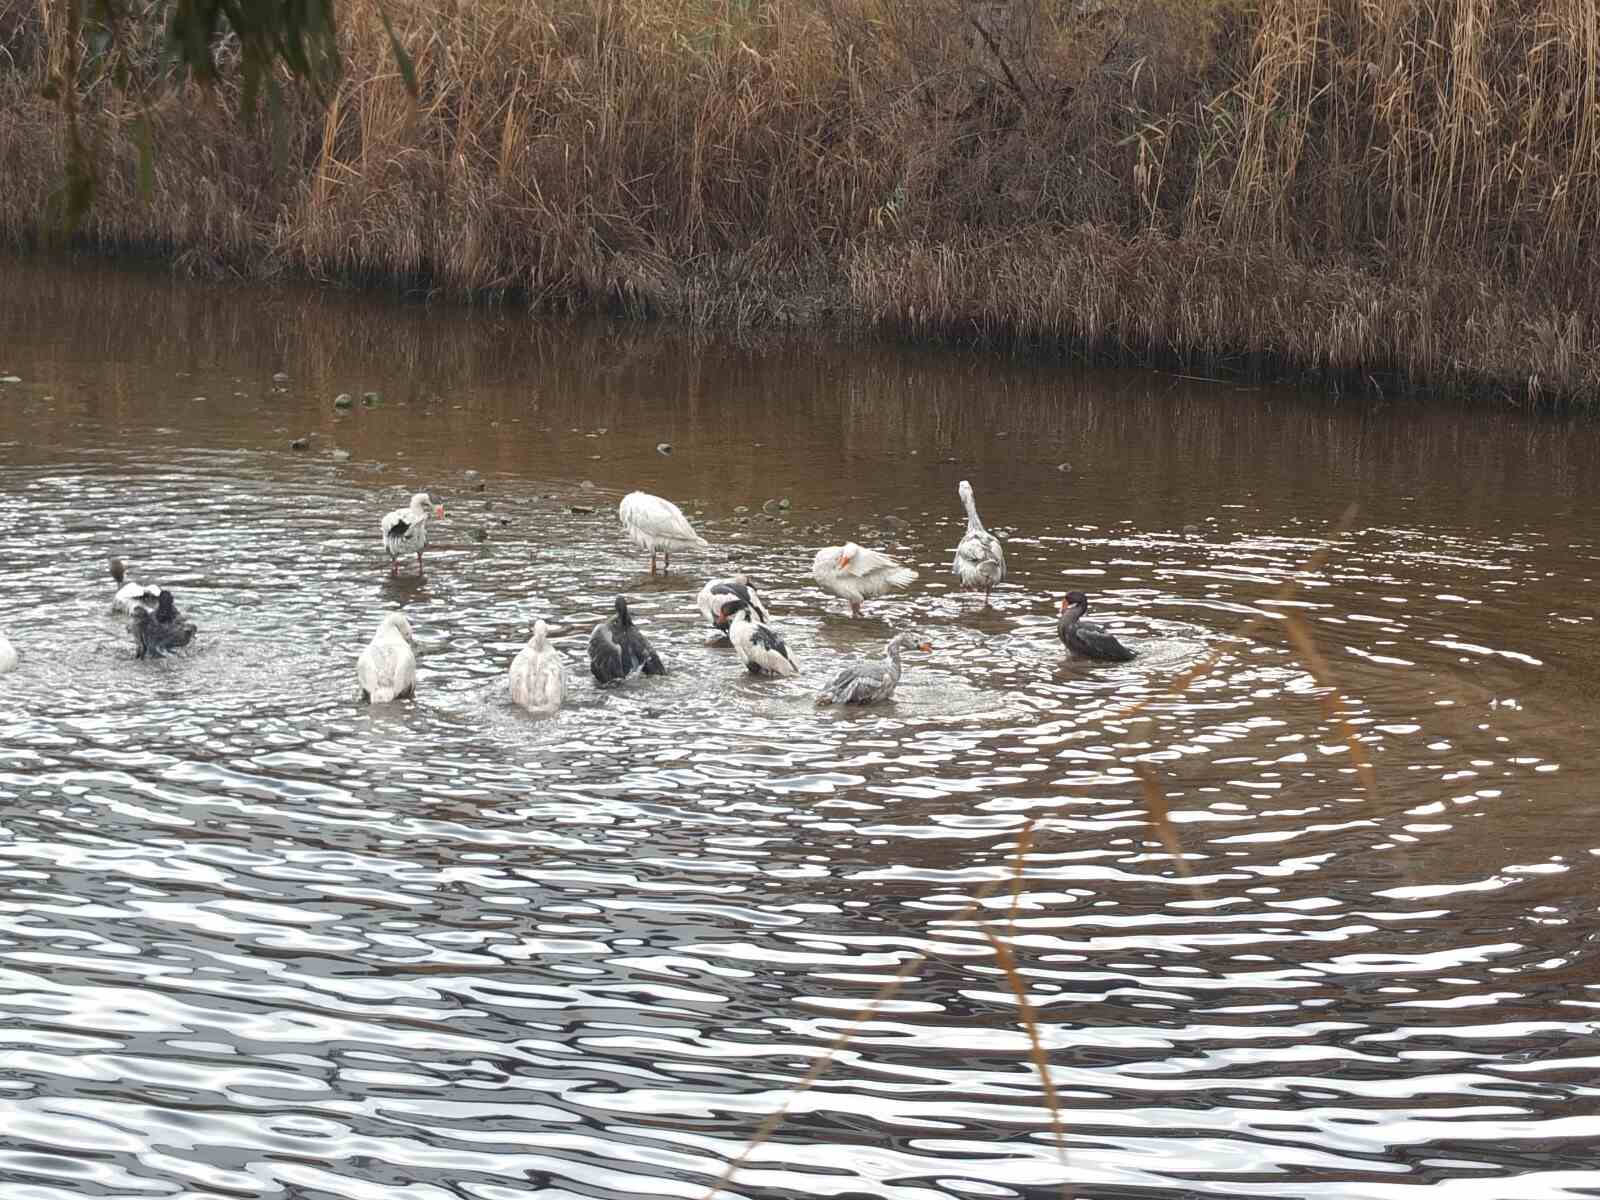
(259, 939)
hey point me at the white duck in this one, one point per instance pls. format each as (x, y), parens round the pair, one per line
(130, 593)
(538, 677)
(979, 562)
(655, 524)
(758, 645)
(405, 530)
(855, 574)
(8, 655)
(387, 669)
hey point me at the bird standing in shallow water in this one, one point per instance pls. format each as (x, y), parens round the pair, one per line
(854, 574)
(1085, 637)
(130, 593)
(758, 645)
(717, 598)
(160, 632)
(538, 676)
(876, 679)
(405, 530)
(979, 559)
(654, 524)
(387, 668)
(618, 651)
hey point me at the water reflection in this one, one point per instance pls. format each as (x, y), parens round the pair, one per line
(257, 937)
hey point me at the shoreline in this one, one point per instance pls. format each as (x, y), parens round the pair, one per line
(761, 183)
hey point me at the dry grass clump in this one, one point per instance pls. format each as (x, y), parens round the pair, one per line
(1393, 191)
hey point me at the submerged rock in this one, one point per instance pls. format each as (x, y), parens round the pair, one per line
(369, 398)
(663, 447)
(280, 377)
(340, 455)
(300, 444)
(342, 400)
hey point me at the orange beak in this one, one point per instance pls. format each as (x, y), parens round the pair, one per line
(438, 510)
(926, 647)
(844, 559)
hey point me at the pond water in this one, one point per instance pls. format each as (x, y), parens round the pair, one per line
(258, 938)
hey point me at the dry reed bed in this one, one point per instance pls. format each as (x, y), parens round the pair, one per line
(1384, 191)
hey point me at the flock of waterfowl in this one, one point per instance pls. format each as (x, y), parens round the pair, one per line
(618, 650)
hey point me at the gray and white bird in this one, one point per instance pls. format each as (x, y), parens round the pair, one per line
(717, 598)
(618, 651)
(757, 644)
(538, 675)
(876, 679)
(854, 574)
(387, 668)
(8, 655)
(657, 525)
(980, 561)
(158, 633)
(130, 593)
(405, 530)
(1085, 637)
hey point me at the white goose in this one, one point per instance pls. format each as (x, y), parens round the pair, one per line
(979, 562)
(8, 655)
(855, 574)
(654, 524)
(405, 530)
(387, 668)
(130, 593)
(538, 676)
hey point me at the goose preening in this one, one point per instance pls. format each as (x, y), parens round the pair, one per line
(655, 524)
(130, 593)
(758, 645)
(405, 530)
(538, 676)
(159, 633)
(717, 598)
(855, 574)
(8, 655)
(980, 562)
(387, 668)
(874, 680)
(1085, 637)
(618, 651)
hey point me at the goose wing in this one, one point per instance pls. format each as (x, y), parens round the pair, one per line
(657, 517)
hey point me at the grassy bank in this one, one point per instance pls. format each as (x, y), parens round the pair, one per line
(1395, 193)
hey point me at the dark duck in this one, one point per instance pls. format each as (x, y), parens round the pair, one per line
(1085, 637)
(158, 633)
(618, 651)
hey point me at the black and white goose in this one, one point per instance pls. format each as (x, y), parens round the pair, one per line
(618, 651)
(757, 644)
(405, 530)
(1085, 637)
(717, 598)
(130, 593)
(157, 634)
(876, 679)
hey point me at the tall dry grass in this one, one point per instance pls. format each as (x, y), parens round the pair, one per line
(1388, 193)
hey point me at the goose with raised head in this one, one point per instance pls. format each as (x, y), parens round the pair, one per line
(757, 644)
(980, 561)
(618, 651)
(1085, 637)
(538, 676)
(658, 526)
(855, 574)
(387, 668)
(875, 679)
(405, 530)
(130, 593)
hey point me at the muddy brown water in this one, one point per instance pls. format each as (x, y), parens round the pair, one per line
(260, 939)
